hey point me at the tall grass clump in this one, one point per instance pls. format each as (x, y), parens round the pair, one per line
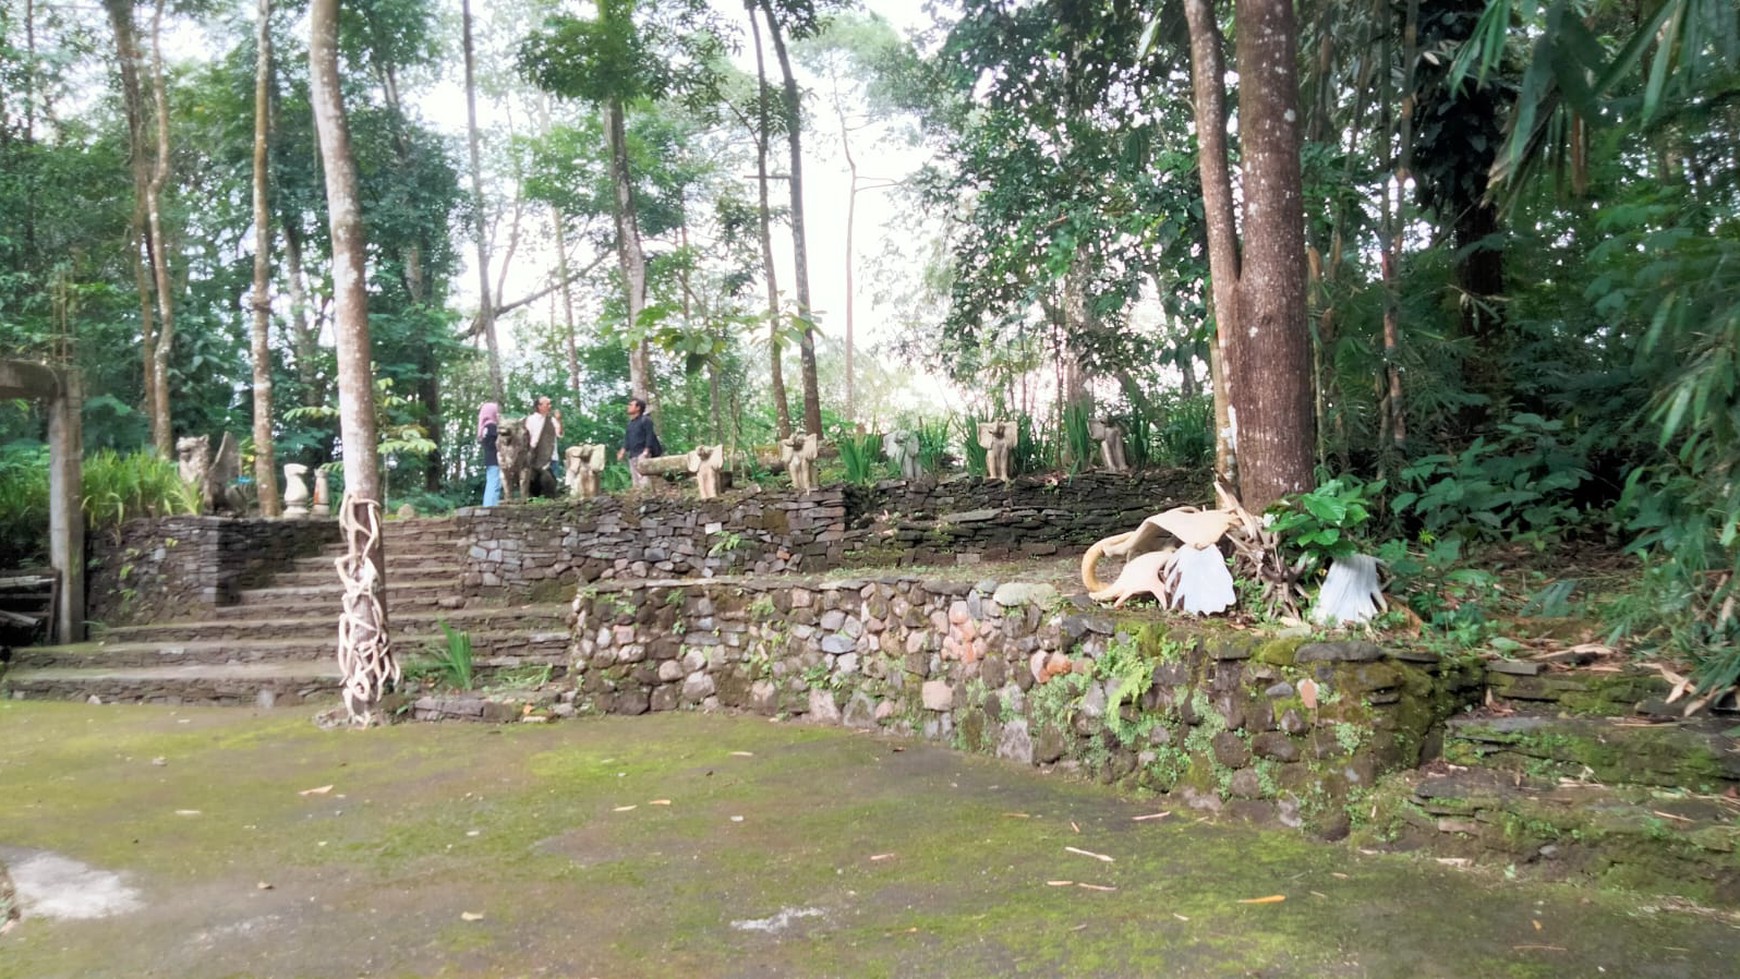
(1079, 447)
(119, 488)
(933, 445)
(23, 504)
(862, 457)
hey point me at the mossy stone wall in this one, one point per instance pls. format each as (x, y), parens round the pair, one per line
(171, 568)
(1273, 730)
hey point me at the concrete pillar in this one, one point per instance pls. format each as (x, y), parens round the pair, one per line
(66, 518)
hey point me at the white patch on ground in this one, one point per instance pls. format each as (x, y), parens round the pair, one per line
(778, 922)
(52, 886)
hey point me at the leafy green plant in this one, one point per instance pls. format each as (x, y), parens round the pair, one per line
(1324, 523)
(1079, 449)
(453, 664)
(933, 445)
(974, 452)
(1185, 439)
(861, 454)
(1517, 487)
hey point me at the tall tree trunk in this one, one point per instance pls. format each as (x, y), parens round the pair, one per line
(1207, 79)
(486, 305)
(1395, 418)
(162, 429)
(763, 136)
(1273, 386)
(364, 648)
(265, 475)
(628, 251)
(127, 59)
(799, 240)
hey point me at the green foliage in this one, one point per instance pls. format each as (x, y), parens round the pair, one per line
(862, 457)
(1517, 486)
(1079, 448)
(933, 444)
(1325, 523)
(24, 501)
(974, 452)
(119, 488)
(1184, 439)
(452, 663)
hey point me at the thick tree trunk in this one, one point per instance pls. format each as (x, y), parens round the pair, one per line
(1272, 387)
(763, 135)
(364, 614)
(486, 305)
(628, 251)
(799, 239)
(265, 474)
(1207, 79)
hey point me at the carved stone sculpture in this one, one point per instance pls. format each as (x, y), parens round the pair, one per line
(581, 466)
(211, 476)
(322, 492)
(705, 461)
(295, 490)
(799, 455)
(998, 439)
(1110, 435)
(902, 449)
(513, 455)
(1192, 577)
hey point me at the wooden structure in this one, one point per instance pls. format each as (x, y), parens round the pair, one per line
(62, 392)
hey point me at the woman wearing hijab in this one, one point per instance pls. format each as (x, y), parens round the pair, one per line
(488, 418)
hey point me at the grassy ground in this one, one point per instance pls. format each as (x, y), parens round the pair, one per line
(690, 845)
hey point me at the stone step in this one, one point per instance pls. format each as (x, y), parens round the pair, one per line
(420, 622)
(250, 684)
(1630, 836)
(1615, 750)
(396, 572)
(497, 648)
(398, 590)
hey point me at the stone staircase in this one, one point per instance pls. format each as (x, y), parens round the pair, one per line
(1600, 781)
(276, 645)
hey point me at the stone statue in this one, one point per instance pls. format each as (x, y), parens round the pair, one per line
(295, 490)
(322, 491)
(581, 465)
(211, 477)
(1110, 435)
(1192, 577)
(513, 455)
(998, 438)
(902, 449)
(799, 452)
(705, 461)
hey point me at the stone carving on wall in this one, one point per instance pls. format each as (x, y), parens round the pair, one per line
(1110, 435)
(1192, 577)
(211, 476)
(705, 461)
(295, 490)
(902, 449)
(799, 452)
(998, 439)
(581, 466)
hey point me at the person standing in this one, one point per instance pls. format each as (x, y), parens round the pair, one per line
(488, 422)
(544, 435)
(640, 442)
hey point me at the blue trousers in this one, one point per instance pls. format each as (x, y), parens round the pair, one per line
(491, 485)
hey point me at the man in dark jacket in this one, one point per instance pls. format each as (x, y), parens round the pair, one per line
(641, 442)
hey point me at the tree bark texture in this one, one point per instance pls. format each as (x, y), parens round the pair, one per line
(127, 58)
(628, 250)
(1273, 380)
(1208, 92)
(764, 135)
(265, 467)
(799, 239)
(486, 305)
(162, 429)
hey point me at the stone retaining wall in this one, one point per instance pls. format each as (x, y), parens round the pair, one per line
(1273, 730)
(962, 520)
(159, 570)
